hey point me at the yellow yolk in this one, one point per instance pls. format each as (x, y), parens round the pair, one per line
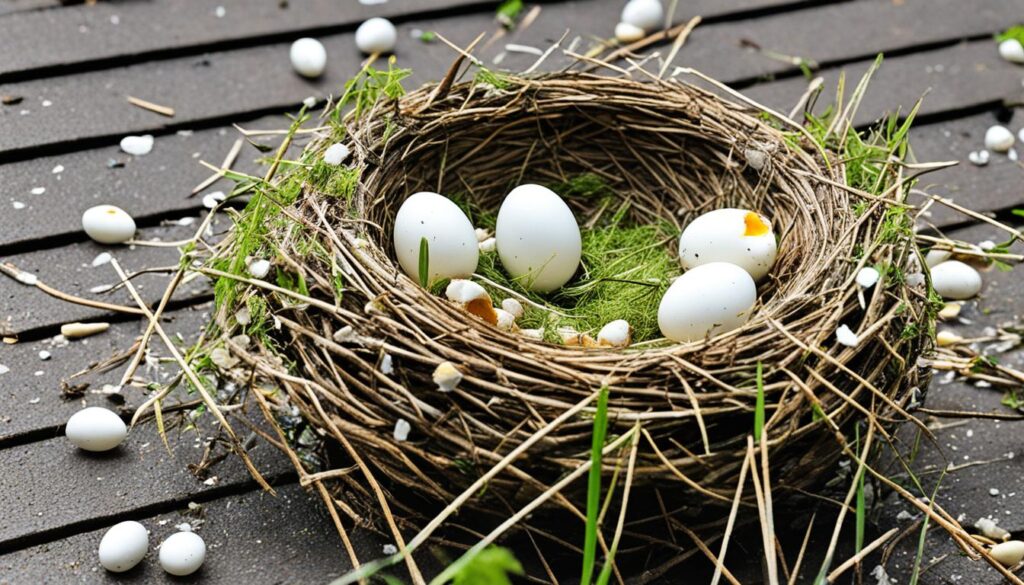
(755, 226)
(483, 308)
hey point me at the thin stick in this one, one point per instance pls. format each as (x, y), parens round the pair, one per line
(860, 556)
(148, 105)
(17, 274)
(727, 534)
(678, 44)
(225, 166)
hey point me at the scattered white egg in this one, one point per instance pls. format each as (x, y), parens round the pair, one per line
(376, 35)
(452, 245)
(618, 333)
(309, 57)
(1008, 553)
(335, 154)
(867, 277)
(736, 236)
(538, 238)
(955, 280)
(514, 307)
(645, 14)
(447, 377)
(628, 33)
(123, 546)
(998, 138)
(182, 553)
(1012, 51)
(707, 299)
(259, 268)
(137, 145)
(95, 429)
(846, 336)
(108, 224)
(978, 158)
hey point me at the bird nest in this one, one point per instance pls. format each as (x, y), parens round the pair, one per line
(339, 334)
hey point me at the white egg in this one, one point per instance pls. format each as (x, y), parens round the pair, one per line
(451, 242)
(376, 35)
(182, 553)
(999, 138)
(955, 280)
(137, 145)
(108, 224)
(628, 33)
(538, 238)
(95, 429)
(711, 298)
(1008, 553)
(935, 256)
(309, 57)
(645, 14)
(123, 546)
(1012, 51)
(736, 236)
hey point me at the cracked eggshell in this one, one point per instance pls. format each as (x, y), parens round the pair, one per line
(451, 240)
(1012, 51)
(736, 236)
(537, 237)
(108, 224)
(955, 280)
(710, 298)
(123, 546)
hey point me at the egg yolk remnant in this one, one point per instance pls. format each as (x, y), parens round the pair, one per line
(755, 226)
(483, 308)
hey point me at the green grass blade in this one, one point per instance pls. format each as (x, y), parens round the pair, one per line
(759, 406)
(860, 511)
(594, 487)
(424, 263)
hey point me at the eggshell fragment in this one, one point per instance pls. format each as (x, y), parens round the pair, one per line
(1008, 553)
(936, 256)
(376, 35)
(259, 268)
(95, 429)
(736, 236)
(645, 14)
(473, 298)
(618, 333)
(309, 57)
(846, 336)
(513, 306)
(447, 377)
(123, 546)
(706, 300)
(867, 277)
(451, 241)
(182, 553)
(538, 238)
(628, 33)
(108, 224)
(955, 280)
(335, 154)
(505, 321)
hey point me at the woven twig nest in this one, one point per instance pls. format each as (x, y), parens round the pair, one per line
(362, 356)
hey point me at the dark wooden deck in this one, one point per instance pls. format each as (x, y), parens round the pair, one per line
(72, 66)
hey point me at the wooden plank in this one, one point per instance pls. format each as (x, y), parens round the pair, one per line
(50, 486)
(993, 187)
(8, 7)
(157, 184)
(31, 388)
(250, 538)
(69, 269)
(106, 32)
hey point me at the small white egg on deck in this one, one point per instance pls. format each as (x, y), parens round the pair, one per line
(978, 158)
(452, 250)
(538, 238)
(309, 57)
(376, 35)
(645, 14)
(628, 33)
(95, 429)
(137, 145)
(182, 553)
(955, 280)
(736, 236)
(998, 138)
(1012, 51)
(108, 224)
(123, 546)
(335, 154)
(1008, 553)
(708, 299)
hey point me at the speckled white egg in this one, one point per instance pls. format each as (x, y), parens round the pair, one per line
(452, 245)
(123, 546)
(736, 236)
(710, 298)
(108, 224)
(538, 238)
(182, 553)
(376, 35)
(95, 429)
(309, 57)
(645, 14)
(955, 280)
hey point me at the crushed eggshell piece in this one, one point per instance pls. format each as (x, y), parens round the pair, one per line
(513, 306)
(447, 377)
(947, 338)
(506, 320)
(618, 333)
(473, 298)
(537, 334)
(402, 429)
(950, 311)
(489, 245)
(846, 336)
